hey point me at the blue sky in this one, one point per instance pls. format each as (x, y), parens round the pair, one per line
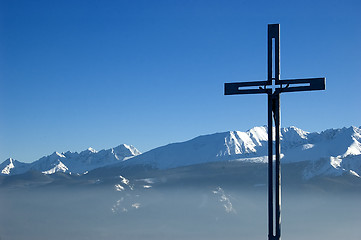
(75, 74)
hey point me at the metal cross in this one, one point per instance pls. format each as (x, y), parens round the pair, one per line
(278, 86)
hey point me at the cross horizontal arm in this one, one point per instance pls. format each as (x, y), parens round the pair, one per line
(287, 85)
(306, 84)
(235, 88)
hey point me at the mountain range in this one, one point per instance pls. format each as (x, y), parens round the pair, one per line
(333, 152)
(71, 162)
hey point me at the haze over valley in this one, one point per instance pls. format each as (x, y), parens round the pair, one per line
(210, 187)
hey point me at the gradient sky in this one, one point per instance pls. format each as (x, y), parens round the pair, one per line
(75, 74)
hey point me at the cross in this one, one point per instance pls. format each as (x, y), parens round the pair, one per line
(277, 86)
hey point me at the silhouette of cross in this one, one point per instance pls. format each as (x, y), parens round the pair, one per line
(273, 87)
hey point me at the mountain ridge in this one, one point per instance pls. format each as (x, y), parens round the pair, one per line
(71, 162)
(331, 152)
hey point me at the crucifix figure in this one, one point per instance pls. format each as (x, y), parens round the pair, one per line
(273, 87)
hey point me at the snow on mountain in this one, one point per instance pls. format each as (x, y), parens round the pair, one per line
(331, 152)
(71, 162)
(208, 148)
(233, 145)
(11, 166)
(59, 167)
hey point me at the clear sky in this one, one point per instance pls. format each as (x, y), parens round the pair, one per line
(75, 74)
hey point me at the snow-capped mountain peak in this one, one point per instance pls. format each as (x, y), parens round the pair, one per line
(73, 162)
(90, 149)
(259, 134)
(331, 152)
(12, 166)
(59, 155)
(335, 151)
(58, 167)
(124, 152)
(9, 165)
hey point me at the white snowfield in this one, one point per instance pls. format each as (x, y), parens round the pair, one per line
(332, 152)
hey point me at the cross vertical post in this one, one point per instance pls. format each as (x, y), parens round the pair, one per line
(274, 177)
(274, 118)
(270, 168)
